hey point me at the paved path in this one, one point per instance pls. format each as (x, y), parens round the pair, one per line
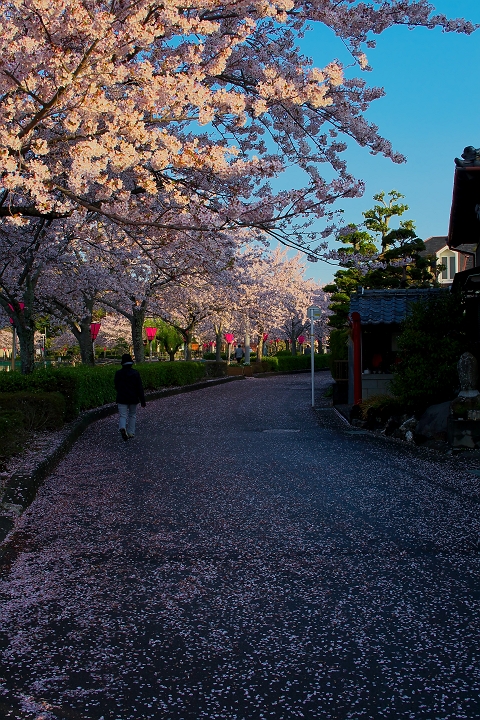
(244, 558)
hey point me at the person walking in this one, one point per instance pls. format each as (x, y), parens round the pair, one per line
(129, 387)
(239, 353)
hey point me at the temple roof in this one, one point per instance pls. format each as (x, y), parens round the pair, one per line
(388, 306)
(465, 213)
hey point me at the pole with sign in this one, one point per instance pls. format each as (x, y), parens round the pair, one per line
(314, 313)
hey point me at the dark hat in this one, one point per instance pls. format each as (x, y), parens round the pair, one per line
(126, 360)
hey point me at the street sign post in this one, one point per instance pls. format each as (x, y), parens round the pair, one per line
(314, 313)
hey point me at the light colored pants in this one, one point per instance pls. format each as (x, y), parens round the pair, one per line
(128, 415)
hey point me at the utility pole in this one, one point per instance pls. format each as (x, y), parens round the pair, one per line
(247, 340)
(314, 313)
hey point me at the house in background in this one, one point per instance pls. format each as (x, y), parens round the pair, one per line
(454, 260)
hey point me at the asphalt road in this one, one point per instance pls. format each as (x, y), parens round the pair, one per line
(244, 557)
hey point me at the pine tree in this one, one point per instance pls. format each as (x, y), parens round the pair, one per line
(400, 249)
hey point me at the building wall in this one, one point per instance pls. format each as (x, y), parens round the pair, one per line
(375, 385)
(453, 260)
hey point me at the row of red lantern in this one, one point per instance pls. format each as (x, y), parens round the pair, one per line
(95, 329)
(152, 331)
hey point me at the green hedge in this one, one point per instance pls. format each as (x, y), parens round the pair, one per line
(86, 387)
(62, 380)
(213, 356)
(289, 363)
(24, 412)
(12, 434)
(158, 375)
(267, 364)
(38, 410)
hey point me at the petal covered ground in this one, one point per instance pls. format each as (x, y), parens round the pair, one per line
(242, 558)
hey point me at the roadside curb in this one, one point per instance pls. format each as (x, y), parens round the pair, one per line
(21, 489)
(276, 373)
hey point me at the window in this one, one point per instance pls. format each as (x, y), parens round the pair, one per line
(449, 263)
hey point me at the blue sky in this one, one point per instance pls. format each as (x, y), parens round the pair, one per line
(431, 111)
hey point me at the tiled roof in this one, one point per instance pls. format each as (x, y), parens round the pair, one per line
(388, 306)
(466, 247)
(438, 242)
(434, 244)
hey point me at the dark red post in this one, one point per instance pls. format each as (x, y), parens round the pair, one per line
(357, 358)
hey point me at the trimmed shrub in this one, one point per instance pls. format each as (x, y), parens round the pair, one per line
(62, 380)
(265, 365)
(158, 375)
(215, 369)
(12, 434)
(269, 364)
(290, 363)
(213, 356)
(322, 362)
(22, 413)
(86, 387)
(38, 410)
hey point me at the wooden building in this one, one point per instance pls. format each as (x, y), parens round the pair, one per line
(373, 349)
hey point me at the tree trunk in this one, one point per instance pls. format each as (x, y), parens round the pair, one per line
(260, 345)
(188, 345)
(84, 339)
(25, 326)
(218, 346)
(293, 343)
(247, 341)
(136, 320)
(171, 354)
(25, 335)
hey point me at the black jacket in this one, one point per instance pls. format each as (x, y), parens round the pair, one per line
(128, 385)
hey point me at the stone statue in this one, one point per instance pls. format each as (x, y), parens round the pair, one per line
(468, 376)
(471, 157)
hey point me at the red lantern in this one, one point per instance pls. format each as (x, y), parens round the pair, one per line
(151, 332)
(94, 330)
(21, 306)
(229, 338)
(301, 339)
(265, 336)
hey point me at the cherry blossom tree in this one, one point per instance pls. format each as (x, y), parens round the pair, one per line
(156, 262)
(263, 291)
(166, 124)
(114, 329)
(287, 296)
(70, 288)
(186, 306)
(102, 107)
(25, 252)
